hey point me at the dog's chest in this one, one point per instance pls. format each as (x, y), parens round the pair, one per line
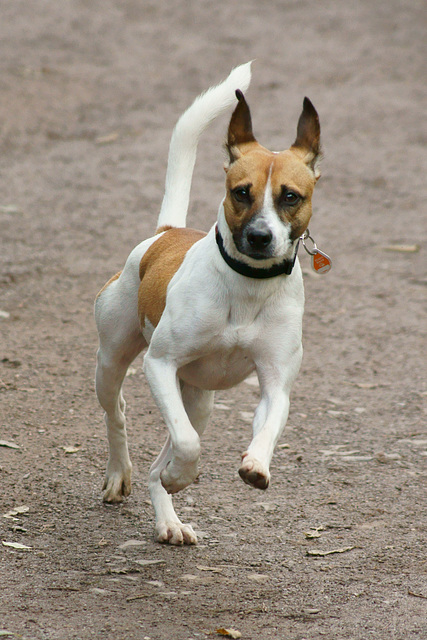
(228, 358)
(221, 369)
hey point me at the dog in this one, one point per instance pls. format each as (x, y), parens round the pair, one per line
(211, 308)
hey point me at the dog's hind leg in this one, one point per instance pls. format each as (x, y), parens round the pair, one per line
(120, 341)
(169, 528)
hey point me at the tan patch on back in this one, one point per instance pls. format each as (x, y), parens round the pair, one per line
(165, 227)
(158, 266)
(117, 275)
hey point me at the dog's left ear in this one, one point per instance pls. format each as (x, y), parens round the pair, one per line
(308, 137)
(240, 129)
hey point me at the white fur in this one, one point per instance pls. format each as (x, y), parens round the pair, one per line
(183, 145)
(217, 327)
(282, 245)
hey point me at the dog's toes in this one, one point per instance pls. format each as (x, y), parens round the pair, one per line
(175, 533)
(253, 473)
(116, 487)
(254, 479)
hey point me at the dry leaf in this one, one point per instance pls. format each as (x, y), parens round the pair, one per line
(140, 596)
(416, 595)
(10, 209)
(370, 385)
(314, 532)
(267, 506)
(212, 569)
(16, 545)
(16, 511)
(132, 544)
(108, 139)
(229, 633)
(147, 563)
(257, 577)
(402, 248)
(10, 445)
(335, 452)
(318, 552)
(385, 458)
(69, 450)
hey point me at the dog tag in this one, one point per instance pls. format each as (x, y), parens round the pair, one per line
(321, 262)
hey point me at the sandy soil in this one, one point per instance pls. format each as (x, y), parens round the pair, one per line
(89, 93)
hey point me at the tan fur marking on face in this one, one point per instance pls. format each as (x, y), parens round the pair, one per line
(157, 268)
(291, 171)
(251, 168)
(255, 167)
(117, 275)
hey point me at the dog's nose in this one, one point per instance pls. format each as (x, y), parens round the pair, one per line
(259, 238)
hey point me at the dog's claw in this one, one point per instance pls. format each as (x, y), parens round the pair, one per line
(117, 485)
(175, 533)
(253, 473)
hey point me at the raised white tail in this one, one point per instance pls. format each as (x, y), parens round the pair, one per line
(183, 145)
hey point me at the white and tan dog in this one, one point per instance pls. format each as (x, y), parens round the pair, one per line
(211, 308)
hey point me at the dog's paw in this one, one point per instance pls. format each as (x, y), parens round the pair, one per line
(117, 485)
(175, 533)
(253, 473)
(176, 476)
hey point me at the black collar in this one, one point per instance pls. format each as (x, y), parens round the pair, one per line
(283, 268)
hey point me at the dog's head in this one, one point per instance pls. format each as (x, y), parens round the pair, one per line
(268, 194)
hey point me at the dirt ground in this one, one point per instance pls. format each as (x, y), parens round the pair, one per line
(89, 93)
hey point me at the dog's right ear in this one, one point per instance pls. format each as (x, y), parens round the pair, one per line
(240, 129)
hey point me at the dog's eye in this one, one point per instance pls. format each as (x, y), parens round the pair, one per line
(242, 194)
(289, 198)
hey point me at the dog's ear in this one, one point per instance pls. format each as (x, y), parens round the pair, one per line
(307, 142)
(239, 129)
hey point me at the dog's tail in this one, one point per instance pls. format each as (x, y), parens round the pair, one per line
(183, 145)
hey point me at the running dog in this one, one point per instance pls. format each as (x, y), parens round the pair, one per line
(211, 308)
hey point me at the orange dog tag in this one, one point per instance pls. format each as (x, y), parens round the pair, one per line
(321, 262)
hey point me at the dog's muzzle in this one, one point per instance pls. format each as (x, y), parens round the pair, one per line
(256, 240)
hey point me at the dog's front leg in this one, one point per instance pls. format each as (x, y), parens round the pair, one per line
(269, 420)
(181, 466)
(198, 405)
